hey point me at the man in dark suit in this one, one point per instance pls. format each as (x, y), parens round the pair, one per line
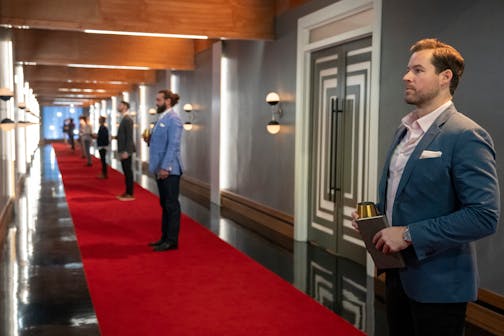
(440, 193)
(125, 149)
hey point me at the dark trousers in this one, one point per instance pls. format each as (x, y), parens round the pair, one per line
(128, 174)
(169, 200)
(87, 151)
(408, 317)
(71, 140)
(103, 158)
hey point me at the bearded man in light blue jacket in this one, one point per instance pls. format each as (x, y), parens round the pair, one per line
(166, 165)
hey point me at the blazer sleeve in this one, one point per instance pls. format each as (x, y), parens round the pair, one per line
(130, 143)
(125, 141)
(171, 156)
(475, 184)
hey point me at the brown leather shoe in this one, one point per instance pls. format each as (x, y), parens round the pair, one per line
(125, 197)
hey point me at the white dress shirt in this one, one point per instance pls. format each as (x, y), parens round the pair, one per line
(416, 128)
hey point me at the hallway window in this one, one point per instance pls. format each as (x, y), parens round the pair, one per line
(53, 118)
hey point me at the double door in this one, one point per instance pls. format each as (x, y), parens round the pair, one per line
(339, 116)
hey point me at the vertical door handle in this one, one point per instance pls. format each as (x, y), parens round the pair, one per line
(334, 143)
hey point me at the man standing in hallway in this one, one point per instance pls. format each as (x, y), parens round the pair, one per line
(70, 132)
(439, 191)
(165, 164)
(125, 149)
(85, 133)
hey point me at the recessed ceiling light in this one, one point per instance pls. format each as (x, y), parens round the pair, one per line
(114, 32)
(100, 66)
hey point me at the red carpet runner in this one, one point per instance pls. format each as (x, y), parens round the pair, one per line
(206, 287)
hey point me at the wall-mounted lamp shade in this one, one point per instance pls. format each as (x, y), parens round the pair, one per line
(273, 127)
(152, 111)
(188, 126)
(6, 94)
(272, 98)
(188, 107)
(21, 105)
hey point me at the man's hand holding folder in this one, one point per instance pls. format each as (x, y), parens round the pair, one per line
(381, 240)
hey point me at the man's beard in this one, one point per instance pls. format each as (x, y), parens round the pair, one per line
(420, 98)
(161, 109)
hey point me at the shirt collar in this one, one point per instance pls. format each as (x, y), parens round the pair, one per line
(425, 122)
(166, 112)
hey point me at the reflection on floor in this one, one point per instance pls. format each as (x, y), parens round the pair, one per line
(43, 288)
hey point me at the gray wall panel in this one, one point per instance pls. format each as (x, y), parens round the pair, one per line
(474, 28)
(264, 168)
(196, 89)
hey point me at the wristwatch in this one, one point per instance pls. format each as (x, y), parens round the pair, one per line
(406, 235)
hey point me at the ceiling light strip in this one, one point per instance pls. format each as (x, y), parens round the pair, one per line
(100, 66)
(114, 32)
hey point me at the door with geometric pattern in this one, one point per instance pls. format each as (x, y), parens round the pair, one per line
(339, 116)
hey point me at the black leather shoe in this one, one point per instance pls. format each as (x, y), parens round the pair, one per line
(165, 247)
(156, 243)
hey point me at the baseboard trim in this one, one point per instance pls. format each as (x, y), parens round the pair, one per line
(195, 189)
(270, 223)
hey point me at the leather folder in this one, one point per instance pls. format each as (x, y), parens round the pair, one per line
(368, 227)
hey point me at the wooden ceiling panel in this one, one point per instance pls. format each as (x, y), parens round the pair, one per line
(83, 75)
(47, 82)
(231, 19)
(54, 95)
(63, 47)
(56, 38)
(73, 86)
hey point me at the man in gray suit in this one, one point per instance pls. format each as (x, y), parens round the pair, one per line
(125, 149)
(440, 193)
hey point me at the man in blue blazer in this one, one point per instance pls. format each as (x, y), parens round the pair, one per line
(440, 193)
(166, 165)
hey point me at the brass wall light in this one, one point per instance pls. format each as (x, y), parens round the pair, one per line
(188, 125)
(6, 94)
(6, 124)
(273, 100)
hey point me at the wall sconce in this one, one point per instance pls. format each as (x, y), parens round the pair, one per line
(188, 124)
(152, 111)
(6, 94)
(273, 100)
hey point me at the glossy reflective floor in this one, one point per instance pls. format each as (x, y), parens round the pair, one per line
(43, 287)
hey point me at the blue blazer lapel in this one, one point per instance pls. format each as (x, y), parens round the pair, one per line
(432, 132)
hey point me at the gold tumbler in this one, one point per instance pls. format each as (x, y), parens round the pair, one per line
(366, 209)
(146, 135)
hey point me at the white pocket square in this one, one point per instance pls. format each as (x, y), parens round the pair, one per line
(162, 125)
(427, 154)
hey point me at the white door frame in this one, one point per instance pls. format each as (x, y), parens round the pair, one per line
(338, 11)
